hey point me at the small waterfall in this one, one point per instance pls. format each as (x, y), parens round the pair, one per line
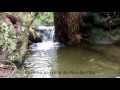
(46, 32)
(51, 35)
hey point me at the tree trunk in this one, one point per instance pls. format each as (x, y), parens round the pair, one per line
(67, 27)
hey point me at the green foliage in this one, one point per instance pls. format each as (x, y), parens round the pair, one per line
(36, 22)
(97, 34)
(6, 42)
(43, 19)
(9, 43)
(92, 17)
(14, 45)
(96, 18)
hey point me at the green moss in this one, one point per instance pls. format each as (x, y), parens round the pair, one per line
(13, 46)
(7, 42)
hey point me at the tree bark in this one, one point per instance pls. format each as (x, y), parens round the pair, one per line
(67, 27)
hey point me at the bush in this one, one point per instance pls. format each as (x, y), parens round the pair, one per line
(44, 18)
(97, 34)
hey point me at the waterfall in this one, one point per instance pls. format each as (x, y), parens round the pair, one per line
(47, 33)
(51, 35)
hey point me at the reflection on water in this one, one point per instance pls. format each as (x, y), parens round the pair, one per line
(52, 60)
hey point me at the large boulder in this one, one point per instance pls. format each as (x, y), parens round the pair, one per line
(34, 36)
(14, 33)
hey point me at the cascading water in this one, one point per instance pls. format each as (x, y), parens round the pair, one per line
(43, 54)
(49, 59)
(47, 33)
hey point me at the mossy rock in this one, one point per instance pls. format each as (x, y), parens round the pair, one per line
(115, 36)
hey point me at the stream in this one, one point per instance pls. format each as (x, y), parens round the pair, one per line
(53, 60)
(50, 59)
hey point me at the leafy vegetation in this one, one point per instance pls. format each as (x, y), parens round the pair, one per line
(44, 18)
(97, 34)
(96, 18)
(13, 46)
(7, 41)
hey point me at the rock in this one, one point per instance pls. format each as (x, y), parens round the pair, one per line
(115, 36)
(34, 36)
(14, 29)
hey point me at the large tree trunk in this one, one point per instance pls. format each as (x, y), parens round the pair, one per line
(67, 27)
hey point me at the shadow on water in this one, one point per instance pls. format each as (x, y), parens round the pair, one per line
(87, 62)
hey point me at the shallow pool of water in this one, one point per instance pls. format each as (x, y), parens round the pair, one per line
(53, 60)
